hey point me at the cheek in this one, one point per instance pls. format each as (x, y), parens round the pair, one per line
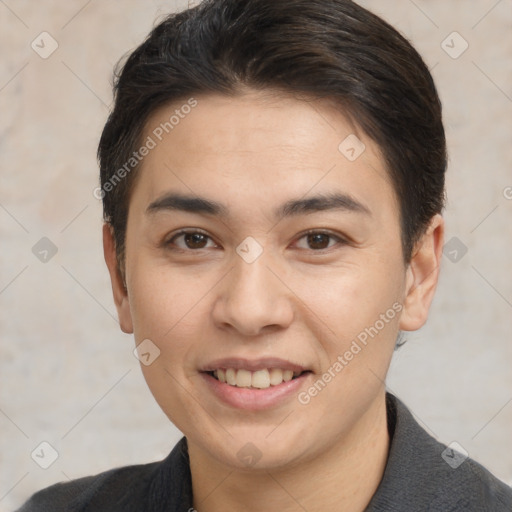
(349, 298)
(169, 306)
(356, 319)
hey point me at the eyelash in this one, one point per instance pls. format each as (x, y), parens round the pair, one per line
(170, 242)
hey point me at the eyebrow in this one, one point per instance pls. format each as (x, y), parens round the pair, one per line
(293, 207)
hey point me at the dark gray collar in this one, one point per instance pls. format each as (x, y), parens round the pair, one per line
(422, 474)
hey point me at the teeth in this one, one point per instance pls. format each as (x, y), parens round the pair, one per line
(287, 375)
(276, 376)
(261, 379)
(243, 379)
(231, 376)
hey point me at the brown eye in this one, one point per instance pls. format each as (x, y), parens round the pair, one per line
(190, 240)
(318, 241)
(195, 240)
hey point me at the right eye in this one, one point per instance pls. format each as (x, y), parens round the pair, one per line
(190, 240)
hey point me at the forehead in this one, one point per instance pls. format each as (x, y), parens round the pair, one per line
(262, 145)
(261, 122)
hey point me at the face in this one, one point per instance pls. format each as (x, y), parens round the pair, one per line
(258, 253)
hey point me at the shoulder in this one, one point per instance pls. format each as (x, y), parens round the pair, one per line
(462, 484)
(121, 488)
(150, 487)
(424, 474)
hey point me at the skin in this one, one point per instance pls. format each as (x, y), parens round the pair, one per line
(301, 300)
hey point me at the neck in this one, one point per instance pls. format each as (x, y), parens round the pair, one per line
(345, 477)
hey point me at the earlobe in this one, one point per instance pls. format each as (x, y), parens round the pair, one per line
(422, 276)
(118, 287)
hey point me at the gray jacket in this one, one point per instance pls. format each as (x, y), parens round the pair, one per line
(421, 475)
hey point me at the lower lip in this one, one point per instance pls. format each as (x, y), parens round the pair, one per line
(255, 399)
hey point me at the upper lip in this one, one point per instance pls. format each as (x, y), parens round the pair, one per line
(252, 364)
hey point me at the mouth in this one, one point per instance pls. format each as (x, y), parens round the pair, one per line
(254, 384)
(259, 379)
(265, 388)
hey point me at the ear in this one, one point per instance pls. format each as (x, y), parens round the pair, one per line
(422, 276)
(118, 287)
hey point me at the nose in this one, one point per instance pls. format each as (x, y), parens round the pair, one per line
(252, 300)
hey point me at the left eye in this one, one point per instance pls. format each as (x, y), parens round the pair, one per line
(317, 240)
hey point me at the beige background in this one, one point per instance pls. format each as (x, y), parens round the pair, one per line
(68, 375)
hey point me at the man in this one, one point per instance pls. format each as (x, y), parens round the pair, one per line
(272, 176)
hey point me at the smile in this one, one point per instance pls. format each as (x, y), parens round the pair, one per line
(250, 397)
(260, 379)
